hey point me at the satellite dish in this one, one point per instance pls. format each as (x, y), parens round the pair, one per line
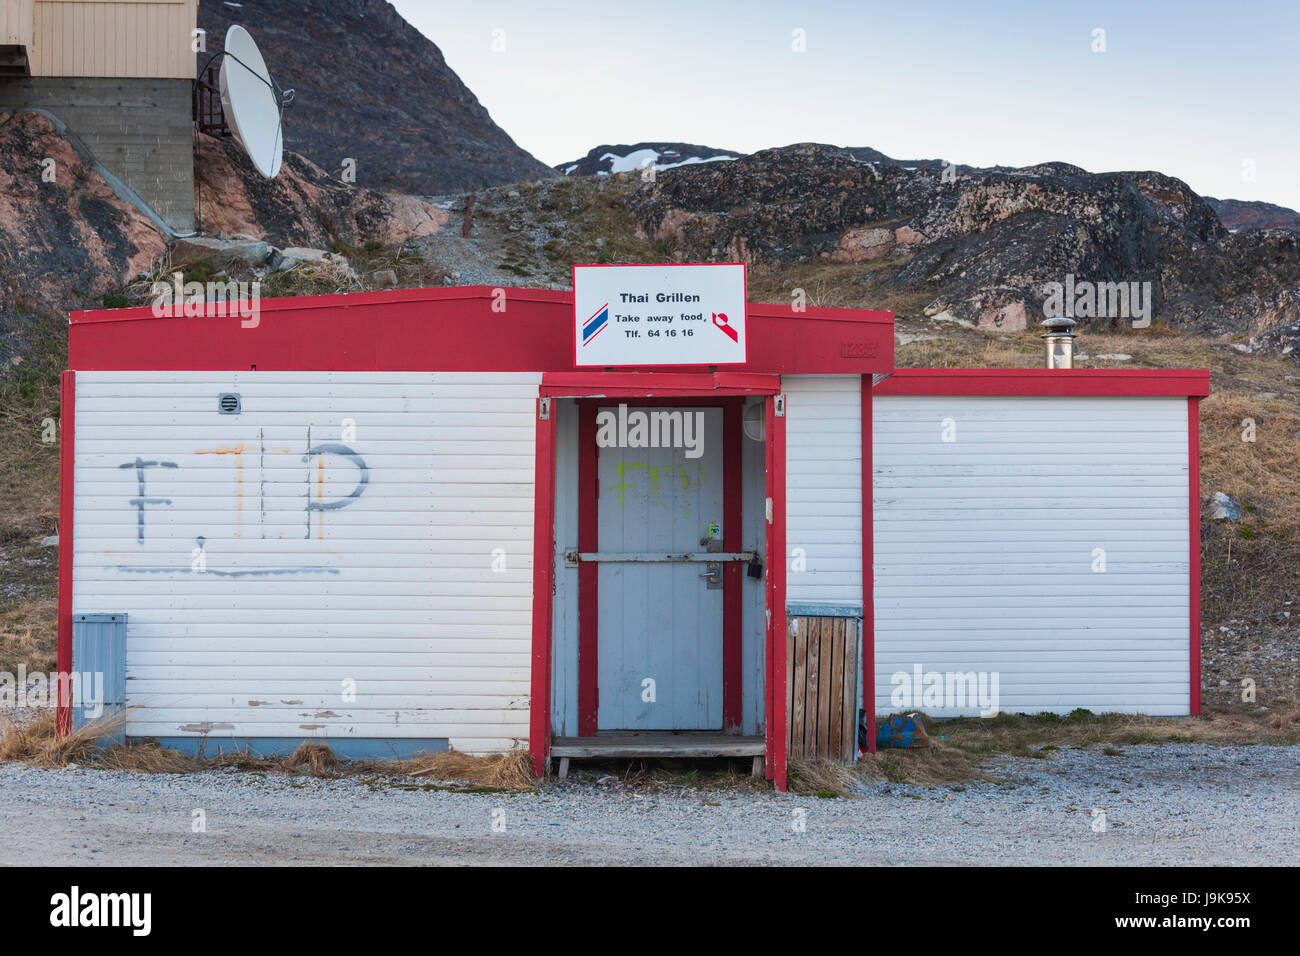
(251, 105)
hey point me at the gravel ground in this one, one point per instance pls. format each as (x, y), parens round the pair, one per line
(1175, 804)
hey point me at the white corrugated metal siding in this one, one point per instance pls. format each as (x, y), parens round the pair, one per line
(985, 549)
(823, 488)
(395, 590)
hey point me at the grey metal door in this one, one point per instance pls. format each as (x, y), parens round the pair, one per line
(659, 659)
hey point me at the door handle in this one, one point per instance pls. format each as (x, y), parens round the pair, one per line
(714, 575)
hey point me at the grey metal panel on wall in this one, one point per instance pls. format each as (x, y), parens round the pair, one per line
(99, 663)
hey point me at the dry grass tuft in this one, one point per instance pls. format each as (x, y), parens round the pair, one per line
(37, 743)
(150, 757)
(930, 766)
(29, 636)
(820, 777)
(314, 758)
(1288, 721)
(508, 771)
(959, 747)
(1017, 733)
(1260, 473)
(22, 741)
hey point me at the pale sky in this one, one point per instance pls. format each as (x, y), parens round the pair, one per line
(1205, 91)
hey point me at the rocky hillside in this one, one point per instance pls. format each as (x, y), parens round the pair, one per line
(72, 243)
(1238, 214)
(371, 87)
(980, 247)
(63, 244)
(621, 159)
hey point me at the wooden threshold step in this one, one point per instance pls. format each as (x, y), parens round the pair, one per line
(675, 745)
(655, 745)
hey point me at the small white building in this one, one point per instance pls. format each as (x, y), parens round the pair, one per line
(385, 521)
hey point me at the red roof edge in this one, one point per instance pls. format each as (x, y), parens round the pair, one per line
(451, 293)
(1187, 383)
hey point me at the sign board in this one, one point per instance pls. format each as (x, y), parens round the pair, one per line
(659, 315)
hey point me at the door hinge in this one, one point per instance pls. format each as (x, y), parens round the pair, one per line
(544, 409)
(779, 406)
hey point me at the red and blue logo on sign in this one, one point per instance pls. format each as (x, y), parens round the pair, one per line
(596, 324)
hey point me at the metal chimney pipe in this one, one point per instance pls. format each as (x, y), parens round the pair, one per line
(1060, 342)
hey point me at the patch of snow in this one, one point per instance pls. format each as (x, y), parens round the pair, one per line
(637, 159)
(569, 171)
(645, 158)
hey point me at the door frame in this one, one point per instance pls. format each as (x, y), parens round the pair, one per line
(589, 540)
(727, 389)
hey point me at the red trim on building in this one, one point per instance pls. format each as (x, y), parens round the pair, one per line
(777, 623)
(1194, 546)
(67, 477)
(657, 384)
(775, 614)
(588, 540)
(1044, 381)
(868, 573)
(589, 536)
(471, 328)
(733, 574)
(539, 718)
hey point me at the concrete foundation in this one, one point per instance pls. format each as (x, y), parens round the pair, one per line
(140, 129)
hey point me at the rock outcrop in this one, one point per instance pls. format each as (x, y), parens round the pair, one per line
(1239, 214)
(66, 239)
(989, 247)
(68, 242)
(372, 88)
(303, 206)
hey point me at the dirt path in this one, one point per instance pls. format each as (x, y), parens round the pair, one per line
(1189, 804)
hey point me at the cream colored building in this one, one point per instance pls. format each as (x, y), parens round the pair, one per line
(119, 74)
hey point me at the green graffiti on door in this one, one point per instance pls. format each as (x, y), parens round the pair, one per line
(655, 471)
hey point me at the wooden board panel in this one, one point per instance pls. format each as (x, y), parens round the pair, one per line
(835, 709)
(849, 708)
(797, 647)
(823, 703)
(813, 629)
